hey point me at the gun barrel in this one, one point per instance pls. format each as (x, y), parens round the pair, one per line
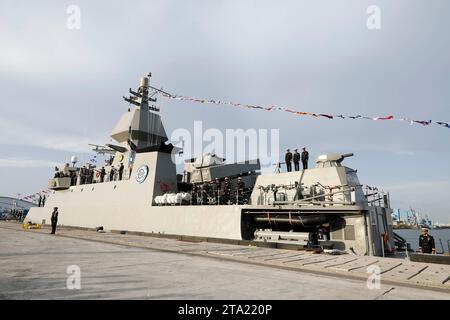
(347, 155)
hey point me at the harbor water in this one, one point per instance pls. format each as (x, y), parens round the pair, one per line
(441, 238)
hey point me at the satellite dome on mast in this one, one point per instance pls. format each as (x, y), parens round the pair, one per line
(73, 160)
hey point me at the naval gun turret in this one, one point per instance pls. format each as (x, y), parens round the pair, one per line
(331, 160)
(210, 167)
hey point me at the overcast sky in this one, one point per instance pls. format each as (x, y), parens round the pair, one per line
(61, 89)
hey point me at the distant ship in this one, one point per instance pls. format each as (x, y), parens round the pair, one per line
(441, 226)
(140, 190)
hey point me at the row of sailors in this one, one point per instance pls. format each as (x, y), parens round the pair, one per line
(296, 157)
(88, 175)
(113, 175)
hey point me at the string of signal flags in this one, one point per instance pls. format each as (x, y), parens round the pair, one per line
(35, 196)
(302, 113)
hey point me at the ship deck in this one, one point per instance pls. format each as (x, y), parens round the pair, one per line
(127, 266)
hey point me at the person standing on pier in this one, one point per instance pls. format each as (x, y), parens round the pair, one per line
(426, 242)
(54, 219)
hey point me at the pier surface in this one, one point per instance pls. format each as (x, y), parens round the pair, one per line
(34, 265)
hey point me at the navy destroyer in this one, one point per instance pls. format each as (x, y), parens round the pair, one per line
(139, 190)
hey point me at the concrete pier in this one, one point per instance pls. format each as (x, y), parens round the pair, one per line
(34, 265)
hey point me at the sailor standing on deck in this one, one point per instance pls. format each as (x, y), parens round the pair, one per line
(305, 158)
(54, 219)
(426, 242)
(102, 174)
(121, 171)
(111, 174)
(288, 160)
(296, 160)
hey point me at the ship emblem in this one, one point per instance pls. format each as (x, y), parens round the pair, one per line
(142, 173)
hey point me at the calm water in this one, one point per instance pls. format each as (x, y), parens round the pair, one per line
(412, 237)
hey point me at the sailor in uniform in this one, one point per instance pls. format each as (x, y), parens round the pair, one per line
(296, 160)
(305, 158)
(54, 219)
(111, 174)
(288, 160)
(426, 242)
(121, 171)
(102, 174)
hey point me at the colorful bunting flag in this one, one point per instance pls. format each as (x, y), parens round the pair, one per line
(424, 123)
(301, 113)
(445, 124)
(384, 118)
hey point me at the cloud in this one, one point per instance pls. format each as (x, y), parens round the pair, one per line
(25, 163)
(45, 42)
(27, 134)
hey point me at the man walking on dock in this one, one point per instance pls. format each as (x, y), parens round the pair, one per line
(54, 219)
(426, 242)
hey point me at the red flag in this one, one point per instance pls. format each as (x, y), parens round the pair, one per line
(385, 118)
